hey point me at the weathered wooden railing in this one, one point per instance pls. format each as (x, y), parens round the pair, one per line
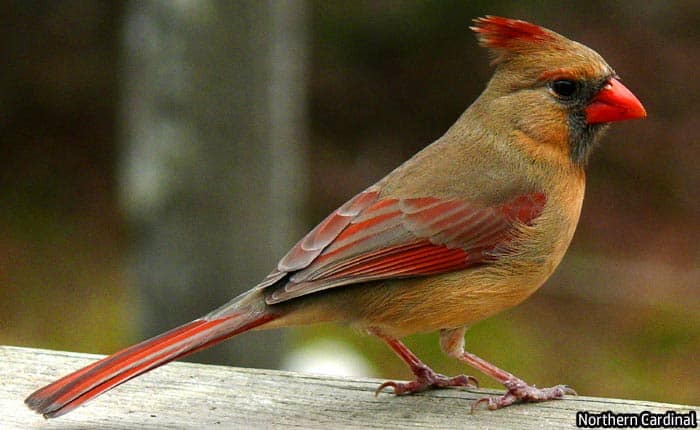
(187, 395)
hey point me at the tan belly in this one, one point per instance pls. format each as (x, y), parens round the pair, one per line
(404, 307)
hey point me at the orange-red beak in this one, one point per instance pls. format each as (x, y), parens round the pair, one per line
(614, 103)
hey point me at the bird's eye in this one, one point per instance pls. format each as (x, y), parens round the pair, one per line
(564, 87)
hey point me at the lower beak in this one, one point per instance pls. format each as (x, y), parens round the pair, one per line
(614, 103)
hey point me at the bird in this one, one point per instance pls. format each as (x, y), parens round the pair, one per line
(471, 225)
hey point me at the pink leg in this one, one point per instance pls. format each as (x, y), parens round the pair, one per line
(426, 378)
(452, 342)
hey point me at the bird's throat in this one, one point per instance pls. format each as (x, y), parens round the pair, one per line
(583, 137)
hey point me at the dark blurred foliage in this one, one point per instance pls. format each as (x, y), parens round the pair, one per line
(619, 318)
(61, 234)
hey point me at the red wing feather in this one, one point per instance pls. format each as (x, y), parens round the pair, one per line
(371, 239)
(308, 248)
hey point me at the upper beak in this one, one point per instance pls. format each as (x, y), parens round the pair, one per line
(614, 103)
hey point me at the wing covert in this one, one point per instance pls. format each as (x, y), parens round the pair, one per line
(370, 238)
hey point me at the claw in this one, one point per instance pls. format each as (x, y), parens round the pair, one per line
(569, 390)
(476, 403)
(465, 381)
(379, 389)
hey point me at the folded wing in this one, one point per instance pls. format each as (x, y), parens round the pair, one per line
(370, 239)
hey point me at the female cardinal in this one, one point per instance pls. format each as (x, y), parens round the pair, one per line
(471, 225)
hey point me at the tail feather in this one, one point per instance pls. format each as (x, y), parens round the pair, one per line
(73, 390)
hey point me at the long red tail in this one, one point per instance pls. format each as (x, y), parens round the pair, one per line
(71, 391)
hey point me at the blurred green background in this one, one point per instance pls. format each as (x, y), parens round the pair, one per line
(618, 319)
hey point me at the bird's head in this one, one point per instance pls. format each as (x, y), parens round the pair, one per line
(553, 90)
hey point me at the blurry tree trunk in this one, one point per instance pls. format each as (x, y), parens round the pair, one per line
(212, 167)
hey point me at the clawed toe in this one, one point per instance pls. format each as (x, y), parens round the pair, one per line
(465, 381)
(428, 382)
(379, 389)
(518, 390)
(568, 390)
(401, 387)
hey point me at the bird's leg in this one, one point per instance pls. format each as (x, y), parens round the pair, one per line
(452, 342)
(426, 378)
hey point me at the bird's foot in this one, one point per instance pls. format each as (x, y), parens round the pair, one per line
(518, 390)
(427, 379)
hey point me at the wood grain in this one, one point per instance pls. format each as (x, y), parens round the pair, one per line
(192, 396)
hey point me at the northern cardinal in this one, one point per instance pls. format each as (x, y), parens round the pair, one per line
(469, 226)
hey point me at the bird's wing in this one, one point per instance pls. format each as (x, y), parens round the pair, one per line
(370, 238)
